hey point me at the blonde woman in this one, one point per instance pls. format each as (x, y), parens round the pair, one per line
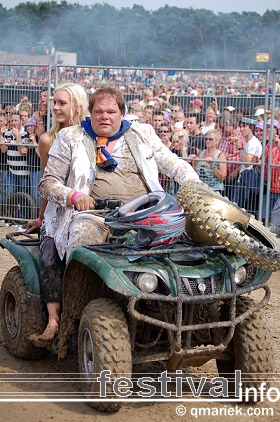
(70, 107)
(210, 168)
(179, 143)
(210, 121)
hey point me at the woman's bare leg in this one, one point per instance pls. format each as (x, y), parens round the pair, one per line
(52, 327)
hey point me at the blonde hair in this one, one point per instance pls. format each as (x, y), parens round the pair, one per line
(25, 107)
(78, 97)
(216, 133)
(176, 135)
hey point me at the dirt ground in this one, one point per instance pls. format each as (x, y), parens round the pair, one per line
(18, 378)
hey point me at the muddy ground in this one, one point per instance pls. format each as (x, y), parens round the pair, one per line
(41, 379)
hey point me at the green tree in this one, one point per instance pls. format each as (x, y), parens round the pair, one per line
(169, 37)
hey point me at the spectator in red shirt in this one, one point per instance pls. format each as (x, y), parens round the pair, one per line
(230, 134)
(275, 171)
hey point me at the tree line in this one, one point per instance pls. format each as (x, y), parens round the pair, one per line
(168, 37)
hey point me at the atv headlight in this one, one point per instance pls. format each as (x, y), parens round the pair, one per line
(240, 275)
(146, 282)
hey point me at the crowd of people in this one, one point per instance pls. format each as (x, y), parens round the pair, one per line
(215, 140)
(220, 145)
(134, 81)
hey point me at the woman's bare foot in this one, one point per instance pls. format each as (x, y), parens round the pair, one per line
(50, 331)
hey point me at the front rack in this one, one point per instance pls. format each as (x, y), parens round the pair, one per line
(30, 241)
(110, 248)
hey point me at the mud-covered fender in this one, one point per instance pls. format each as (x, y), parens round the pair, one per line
(111, 273)
(28, 264)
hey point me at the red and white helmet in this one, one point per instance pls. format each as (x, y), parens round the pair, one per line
(157, 217)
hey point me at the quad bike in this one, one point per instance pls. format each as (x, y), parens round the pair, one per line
(180, 305)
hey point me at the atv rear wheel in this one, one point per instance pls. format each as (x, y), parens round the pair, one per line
(19, 319)
(250, 349)
(103, 344)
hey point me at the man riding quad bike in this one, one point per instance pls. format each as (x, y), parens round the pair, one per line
(153, 293)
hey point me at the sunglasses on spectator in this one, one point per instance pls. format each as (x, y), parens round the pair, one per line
(164, 131)
(209, 139)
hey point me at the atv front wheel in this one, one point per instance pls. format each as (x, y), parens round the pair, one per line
(250, 350)
(103, 344)
(19, 318)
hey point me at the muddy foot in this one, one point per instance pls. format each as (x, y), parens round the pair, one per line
(50, 332)
(34, 339)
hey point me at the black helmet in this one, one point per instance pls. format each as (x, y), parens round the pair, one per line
(157, 217)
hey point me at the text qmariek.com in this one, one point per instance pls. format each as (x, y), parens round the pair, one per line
(198, 412)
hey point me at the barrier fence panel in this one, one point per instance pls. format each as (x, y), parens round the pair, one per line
(23, 101)
(272, 154)
(166, 98)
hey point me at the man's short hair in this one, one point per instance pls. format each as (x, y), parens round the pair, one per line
(191, 110)
(46, 89)
(166, 124)
(198, 116)
(25, 107)
(108, 92)
(226, 118)
(157, 113)
(176, 105)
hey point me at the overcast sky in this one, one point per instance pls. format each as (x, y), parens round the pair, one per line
(215, 5)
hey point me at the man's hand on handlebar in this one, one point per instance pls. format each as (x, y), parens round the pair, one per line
(83, 202)
(33, 226)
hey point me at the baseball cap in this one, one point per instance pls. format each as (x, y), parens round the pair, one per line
(31, 122)
(229, 108)
(260, 125)
(248, 121)
(198, 102)
(132, 118)
(275, 123)
(166, 116)
(259, 112)
(179, 124)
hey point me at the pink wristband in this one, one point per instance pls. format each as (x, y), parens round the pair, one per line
(75, 196)
(39, 221)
